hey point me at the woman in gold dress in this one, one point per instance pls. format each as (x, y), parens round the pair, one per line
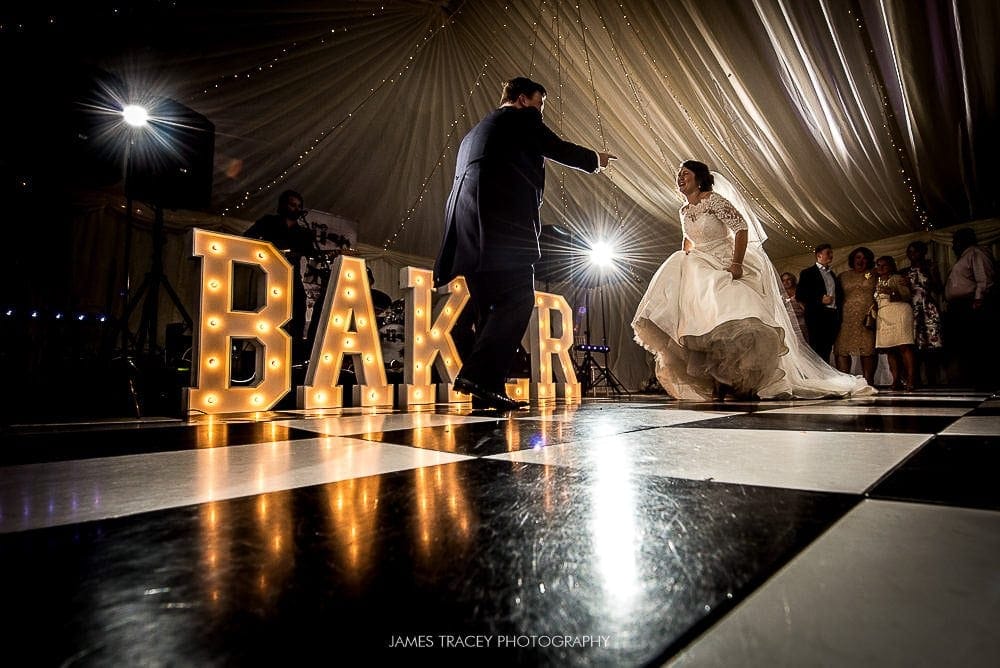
(854, 339)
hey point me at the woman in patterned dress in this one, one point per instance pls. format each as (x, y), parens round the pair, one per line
(925, 282)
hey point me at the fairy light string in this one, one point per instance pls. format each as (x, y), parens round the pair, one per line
(634, 89)
(267, 66)
(326, 134)
(534, 40)
(561, 118)
(764, 205)
(597, 113)
(889, 122)
(411, 211)
(408, 216)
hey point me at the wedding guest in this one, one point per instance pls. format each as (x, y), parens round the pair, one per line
(894, 333)
(854, 339)
(926, 287)
(971, 326)
(819, 291)
(789, 282)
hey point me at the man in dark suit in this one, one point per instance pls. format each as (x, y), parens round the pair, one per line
(492, 225)
(821, 294)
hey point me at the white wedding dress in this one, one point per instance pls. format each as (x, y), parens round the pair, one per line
(704, 327)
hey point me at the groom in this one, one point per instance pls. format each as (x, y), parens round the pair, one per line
(492, 226)
(822, 295)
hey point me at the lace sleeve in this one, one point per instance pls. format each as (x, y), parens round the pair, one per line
(755, 231)
(727, 213)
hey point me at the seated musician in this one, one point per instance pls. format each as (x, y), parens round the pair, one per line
(289, 234)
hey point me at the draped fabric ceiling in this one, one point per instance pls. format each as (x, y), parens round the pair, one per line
(843, 121)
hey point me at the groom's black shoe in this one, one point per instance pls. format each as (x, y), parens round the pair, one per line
(481, 404)
(487, 398)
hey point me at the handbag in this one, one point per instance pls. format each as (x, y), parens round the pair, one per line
(871, 318)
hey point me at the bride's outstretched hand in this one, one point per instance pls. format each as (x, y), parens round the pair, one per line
(736, 269)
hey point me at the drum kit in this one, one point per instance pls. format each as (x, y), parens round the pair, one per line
(389, 315)
(391, 331)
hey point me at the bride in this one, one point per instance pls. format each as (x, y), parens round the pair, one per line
(714, 315)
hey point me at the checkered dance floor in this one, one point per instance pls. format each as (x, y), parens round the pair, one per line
(612, 532)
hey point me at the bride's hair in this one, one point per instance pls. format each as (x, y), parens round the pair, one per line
(701, 172)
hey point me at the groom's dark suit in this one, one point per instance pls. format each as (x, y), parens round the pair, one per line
(491, 230)
(822, 322)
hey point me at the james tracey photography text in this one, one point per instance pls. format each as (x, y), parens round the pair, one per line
(497, 642)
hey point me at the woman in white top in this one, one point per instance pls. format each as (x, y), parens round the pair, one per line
(894, 326)
(714, 315)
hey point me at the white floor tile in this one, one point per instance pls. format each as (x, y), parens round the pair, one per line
(974, 425)
(837, 409)
(656, 417)
(812, 460)
(953, 397)
(891, 584)
(42, 495)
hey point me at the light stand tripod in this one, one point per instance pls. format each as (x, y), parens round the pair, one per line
(149, 293)
(591, 373)
(144, 343)
(168, 162)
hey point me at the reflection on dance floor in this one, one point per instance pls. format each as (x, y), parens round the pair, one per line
(611, 531)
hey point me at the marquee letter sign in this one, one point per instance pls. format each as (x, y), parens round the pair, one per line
(347, 329)
(427, 335)
(218, 324)
(549, 340)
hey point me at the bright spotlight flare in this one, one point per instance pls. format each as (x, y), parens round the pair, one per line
(135, 115)
(602, 254)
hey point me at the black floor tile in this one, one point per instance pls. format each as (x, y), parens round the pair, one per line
(481, 439)
(914, 402)
(986, 411)
(904, 424)
(529, 554)
(65, 445)
(952, 470)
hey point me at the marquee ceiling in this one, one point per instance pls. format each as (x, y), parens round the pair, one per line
(843, 121)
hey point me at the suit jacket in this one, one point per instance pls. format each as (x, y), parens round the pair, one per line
(810, 291)
(491, 218)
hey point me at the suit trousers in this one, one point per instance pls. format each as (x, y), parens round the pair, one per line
(824, 325)
(502, 302)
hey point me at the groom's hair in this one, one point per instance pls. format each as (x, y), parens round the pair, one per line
(701, 173)
(514, 88)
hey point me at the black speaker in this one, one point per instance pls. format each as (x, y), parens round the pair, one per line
(171, 158)
(59, 133)
(95, 157)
